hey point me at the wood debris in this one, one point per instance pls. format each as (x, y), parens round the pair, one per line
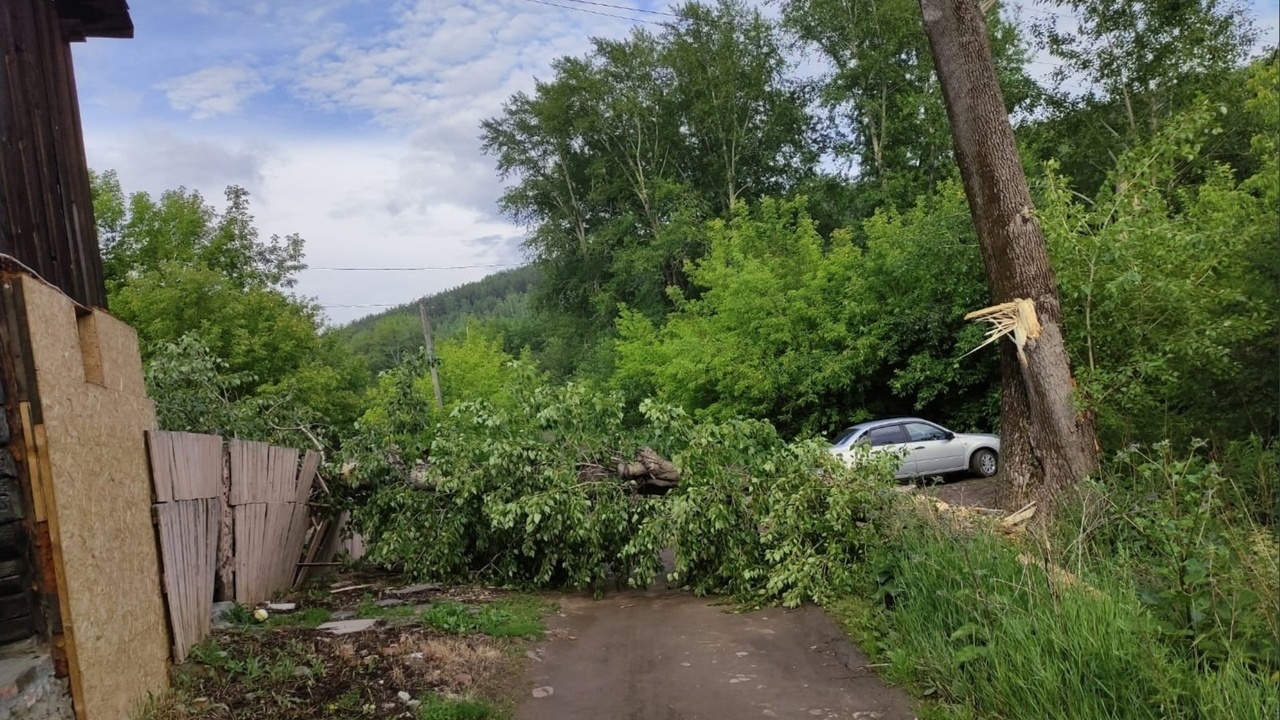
(1021, 516)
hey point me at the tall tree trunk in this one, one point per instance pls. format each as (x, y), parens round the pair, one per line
(1045, 444)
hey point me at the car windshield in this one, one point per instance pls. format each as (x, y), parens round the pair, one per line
(848, 434)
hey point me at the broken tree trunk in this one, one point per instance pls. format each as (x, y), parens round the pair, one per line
(1045, 444)
(224, 585)
(651, 468)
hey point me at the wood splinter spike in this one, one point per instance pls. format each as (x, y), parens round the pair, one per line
(1016, 318)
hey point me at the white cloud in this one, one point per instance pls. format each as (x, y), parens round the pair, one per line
(346, 197)
(154, 158)
(214, 91)
(365, 129)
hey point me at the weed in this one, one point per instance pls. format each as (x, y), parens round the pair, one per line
(308, 618)
(238, 615)
(444, 709)
(969, 618)
(519, 616)
(1178, 528)
(449, 616)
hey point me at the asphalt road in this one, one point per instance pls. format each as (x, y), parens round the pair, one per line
(666, 655)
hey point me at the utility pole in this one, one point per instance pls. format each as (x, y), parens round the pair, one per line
(1046, 445)
(431, 352)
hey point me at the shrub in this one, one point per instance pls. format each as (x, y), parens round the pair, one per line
(1185, 532)
(968, 617)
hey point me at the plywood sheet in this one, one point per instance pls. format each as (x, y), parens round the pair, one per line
(100, 494)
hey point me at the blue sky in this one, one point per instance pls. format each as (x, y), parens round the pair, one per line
(352, 122)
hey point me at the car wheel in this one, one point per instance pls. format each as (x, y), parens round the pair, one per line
(984, 463)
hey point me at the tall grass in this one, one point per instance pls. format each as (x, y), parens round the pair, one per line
(973, 619)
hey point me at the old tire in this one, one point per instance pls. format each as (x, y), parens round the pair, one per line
(984, 463)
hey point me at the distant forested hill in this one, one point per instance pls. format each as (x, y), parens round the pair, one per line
(498, 301)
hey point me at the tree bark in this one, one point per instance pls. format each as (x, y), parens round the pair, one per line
(1046, 445)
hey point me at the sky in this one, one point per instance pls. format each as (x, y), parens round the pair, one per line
(354, 123)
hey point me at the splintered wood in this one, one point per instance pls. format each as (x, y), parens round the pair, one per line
(269, 499)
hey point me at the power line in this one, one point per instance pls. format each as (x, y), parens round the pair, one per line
(402, 269)
(367, 305)
(594, 12)
(624, 7)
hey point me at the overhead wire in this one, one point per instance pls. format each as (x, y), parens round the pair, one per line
(424, 267)
(595, 12)
(624, 7)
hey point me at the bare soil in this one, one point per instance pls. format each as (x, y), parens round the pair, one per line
(972, 492)
(301, 673)
(285, 669)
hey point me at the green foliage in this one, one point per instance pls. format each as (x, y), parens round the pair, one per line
(528, 495)
(1169, 287)
(436, 708)
(140, 235)
(1187, 536)
(504, 494)
(238, 615)
(517, 616)
(881, 106)
(500, 301)
(764, 521)
(306, 617)
(957, 614)
(1125, 68)
(208, 296)
(616, 161)
(816, 333)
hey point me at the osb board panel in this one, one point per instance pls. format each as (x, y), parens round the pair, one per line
(121, 361)
(101, 494)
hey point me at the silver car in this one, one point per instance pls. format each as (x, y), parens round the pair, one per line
(926, 448)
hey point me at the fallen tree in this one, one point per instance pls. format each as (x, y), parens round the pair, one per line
(555, 490)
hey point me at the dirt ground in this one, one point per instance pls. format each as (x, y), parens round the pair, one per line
(975, 492)
(665, 655)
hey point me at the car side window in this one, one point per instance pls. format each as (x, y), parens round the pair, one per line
(887, 435)
(920, 432)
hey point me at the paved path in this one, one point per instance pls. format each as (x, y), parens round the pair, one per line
(665, 655)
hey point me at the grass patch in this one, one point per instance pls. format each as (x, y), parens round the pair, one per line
(444, 709)
(308, 618)
(955, 615)
(241, 616)
(516, 616)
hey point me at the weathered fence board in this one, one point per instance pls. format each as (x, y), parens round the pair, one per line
(269, 494)
(188, 532)
(265, 494)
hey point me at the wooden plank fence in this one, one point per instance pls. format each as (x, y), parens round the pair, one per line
(267, 494)
(186, 475)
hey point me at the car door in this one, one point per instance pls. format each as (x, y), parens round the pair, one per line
(891, 439)
(932, 449)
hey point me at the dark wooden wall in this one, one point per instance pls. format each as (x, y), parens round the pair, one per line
(46, 211)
